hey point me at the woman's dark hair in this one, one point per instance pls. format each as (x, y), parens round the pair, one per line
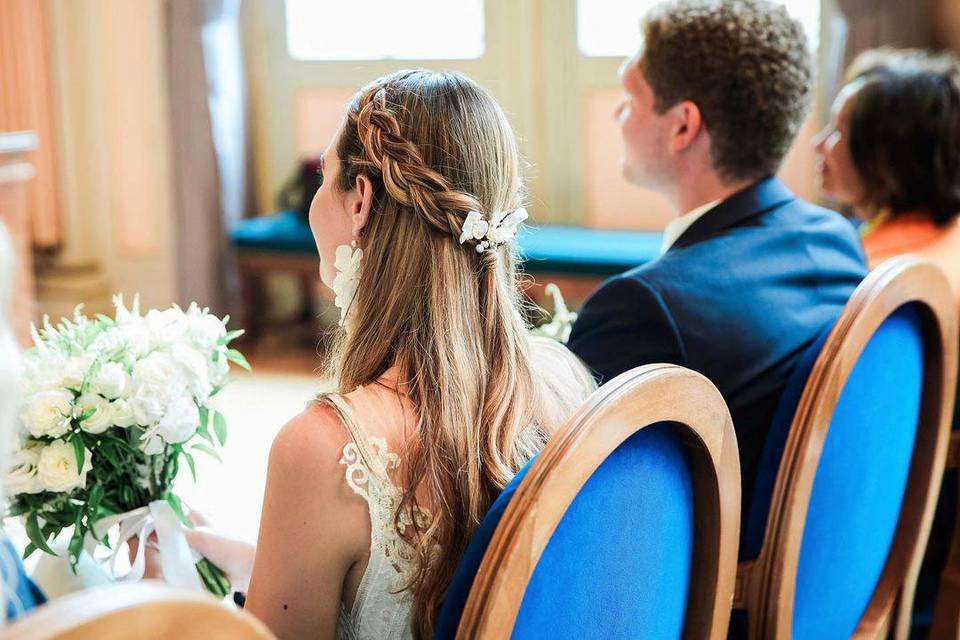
(904, 130)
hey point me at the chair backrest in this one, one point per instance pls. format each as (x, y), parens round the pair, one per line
(145, 610)
(860, 464)
(626, 525)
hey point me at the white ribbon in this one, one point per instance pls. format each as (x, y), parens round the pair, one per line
(177, 559)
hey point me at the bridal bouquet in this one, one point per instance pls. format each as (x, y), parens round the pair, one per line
(111, 409)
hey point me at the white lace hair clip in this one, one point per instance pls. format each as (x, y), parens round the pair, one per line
(493, 233)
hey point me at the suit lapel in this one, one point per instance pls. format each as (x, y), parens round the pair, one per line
(758, 198)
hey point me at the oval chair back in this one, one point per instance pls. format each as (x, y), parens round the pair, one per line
(847, 487)
(625, 526)
(145, 610)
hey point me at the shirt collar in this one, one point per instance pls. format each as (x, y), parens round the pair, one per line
(675, 229)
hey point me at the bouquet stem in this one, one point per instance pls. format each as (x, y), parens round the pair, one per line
(214, 579)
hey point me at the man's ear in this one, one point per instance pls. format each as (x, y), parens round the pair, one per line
(360, 202)
(687, 125)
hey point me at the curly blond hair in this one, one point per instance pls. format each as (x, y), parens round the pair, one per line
(745, 64)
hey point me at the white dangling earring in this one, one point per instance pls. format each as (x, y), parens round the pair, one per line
(347, 264)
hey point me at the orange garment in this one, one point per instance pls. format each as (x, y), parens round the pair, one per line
(916, 233)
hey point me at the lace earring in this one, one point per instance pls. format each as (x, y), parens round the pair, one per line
(347, 264)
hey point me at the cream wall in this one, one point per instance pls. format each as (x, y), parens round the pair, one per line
(559, 102)
(113, 148)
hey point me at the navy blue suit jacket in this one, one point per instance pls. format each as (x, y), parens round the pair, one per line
(738, 297)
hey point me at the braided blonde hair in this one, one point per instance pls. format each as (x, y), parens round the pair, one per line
(436, 146)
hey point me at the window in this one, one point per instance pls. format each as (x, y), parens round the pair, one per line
(612, 27)
(385, 29)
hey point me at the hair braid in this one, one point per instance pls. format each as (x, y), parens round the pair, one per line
(400, 166)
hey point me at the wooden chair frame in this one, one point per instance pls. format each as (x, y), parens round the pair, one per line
(145, 610)
(766, 586)
(638, 398)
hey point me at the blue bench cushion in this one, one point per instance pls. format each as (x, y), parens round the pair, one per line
(549, 248)
(287, 232)
(619, 563)
(579, 250)
(860, 481)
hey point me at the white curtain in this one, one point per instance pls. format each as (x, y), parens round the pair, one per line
(210, 145)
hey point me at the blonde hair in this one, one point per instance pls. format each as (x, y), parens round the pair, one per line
(436, 146)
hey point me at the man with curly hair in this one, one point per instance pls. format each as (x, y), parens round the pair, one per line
(750, 274)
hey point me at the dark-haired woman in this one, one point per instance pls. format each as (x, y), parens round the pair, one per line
(891, 152)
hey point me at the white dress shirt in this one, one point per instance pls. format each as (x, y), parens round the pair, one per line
(675, 229)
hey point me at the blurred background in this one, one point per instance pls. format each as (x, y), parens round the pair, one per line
(148, 146)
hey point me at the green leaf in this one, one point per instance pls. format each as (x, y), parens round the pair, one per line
(235, 356)
(79, 451)
(86, 415)
(93, 502)
(36, 537)
(192, 464)
(29, 549)
(108, 453)
(220, 427)
(231, 335)
(17, 509)
(207, 449)
(75, 547)
(174, 503)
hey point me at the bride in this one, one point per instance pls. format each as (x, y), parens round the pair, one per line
(374, 491)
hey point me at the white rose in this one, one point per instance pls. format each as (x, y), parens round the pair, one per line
(23, 476)
(166, 327)
(102, 417)
(180, 421)
(137, 338)
(111, 381)
(158, 370)
(195, 376)
(204, 330)
(75, 371)
(47, 413)
(122, 413)
(57, 467)
(147, 407)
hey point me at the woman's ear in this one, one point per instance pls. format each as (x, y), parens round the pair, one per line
(360, 203)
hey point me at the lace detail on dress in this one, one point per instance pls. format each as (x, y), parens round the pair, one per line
(381, 609)
(384, 500)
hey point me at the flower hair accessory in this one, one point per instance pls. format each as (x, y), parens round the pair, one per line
(491, 234)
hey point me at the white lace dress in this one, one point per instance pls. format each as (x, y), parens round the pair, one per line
(380, 610)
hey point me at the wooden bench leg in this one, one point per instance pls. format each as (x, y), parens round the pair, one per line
(254, 303)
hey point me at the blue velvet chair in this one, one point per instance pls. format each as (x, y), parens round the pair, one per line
(625, 526)
(852, 466)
